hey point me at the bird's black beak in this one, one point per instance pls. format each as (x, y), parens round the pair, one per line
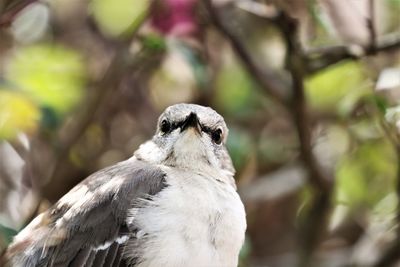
(191, 121)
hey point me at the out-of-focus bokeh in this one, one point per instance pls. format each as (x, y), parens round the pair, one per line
(310, 90)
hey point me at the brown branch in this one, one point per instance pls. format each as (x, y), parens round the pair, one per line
(371, 25)
(313, 224)
(295, 64)
(323, 57)
(320, 58)
(270, 82)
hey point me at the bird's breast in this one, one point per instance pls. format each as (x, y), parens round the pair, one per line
(194, 221)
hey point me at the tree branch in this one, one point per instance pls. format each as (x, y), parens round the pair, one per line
(371, 25)
(313, 224)
(320, 58)
(269, 81)
(323, 57)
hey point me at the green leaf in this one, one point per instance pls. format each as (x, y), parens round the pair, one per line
(119, 17)
(337, 88)
(52, 75)
(367, 175)
(154, 42)
(394, 2)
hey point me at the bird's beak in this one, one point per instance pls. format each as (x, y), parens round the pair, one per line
(192, 121)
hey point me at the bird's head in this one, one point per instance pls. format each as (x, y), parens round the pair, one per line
(189, 136)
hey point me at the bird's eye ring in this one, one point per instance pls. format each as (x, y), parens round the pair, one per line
(165, 126)
(217, 136)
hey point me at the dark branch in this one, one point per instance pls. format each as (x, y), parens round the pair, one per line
(295, 63)
(371, 25)
(323, 57)
(269, 81)
(313, 224)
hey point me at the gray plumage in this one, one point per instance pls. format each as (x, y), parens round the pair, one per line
(172, 204)
(98, 221)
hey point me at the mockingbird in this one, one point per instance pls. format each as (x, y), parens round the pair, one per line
(173, 204)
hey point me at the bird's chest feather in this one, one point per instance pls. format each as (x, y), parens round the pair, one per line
(195, 221)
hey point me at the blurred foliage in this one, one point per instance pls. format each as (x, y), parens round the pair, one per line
(338, 88)
(52, 75)
(7, 234)
(95, 75)
(370, 165)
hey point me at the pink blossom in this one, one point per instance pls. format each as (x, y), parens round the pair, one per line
(175, 17)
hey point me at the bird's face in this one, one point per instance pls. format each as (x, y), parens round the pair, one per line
(189, 136)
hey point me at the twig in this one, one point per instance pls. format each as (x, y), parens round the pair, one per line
(320, 58)
(270, 82)
(371, 25)
(323, 57)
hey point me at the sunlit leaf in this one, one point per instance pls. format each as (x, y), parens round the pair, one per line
(117, 17)
(337, 88)
(367, 175)
(17, 113)
(52, 75)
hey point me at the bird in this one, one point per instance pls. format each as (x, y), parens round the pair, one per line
(174, 203)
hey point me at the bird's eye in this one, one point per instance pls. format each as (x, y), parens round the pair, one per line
(217, 136)
(165, 126)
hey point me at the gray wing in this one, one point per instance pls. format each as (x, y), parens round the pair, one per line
(87, 227)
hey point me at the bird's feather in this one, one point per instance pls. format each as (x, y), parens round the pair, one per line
(88, 226)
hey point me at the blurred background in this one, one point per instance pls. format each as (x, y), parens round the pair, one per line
(309, 89)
